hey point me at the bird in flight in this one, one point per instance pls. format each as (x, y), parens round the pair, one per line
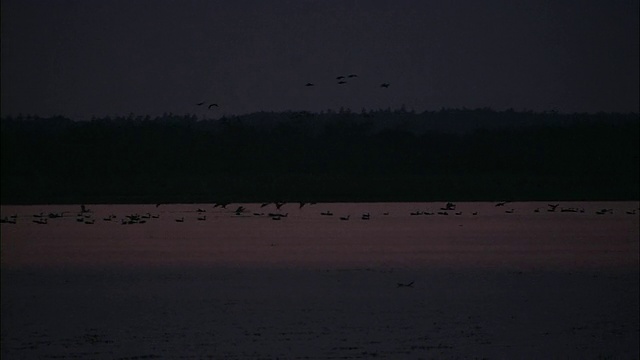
(309, 84)
(342, 82)
(340, 77)
(353, 75)
(385, 85)
(200, 103)
(213, 105)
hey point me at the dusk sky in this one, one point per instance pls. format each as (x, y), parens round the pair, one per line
(97, 58)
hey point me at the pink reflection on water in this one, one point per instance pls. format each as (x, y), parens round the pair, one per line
(513, 236)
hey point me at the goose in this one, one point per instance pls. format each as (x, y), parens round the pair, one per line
(345, 217)
(202, 218)
(200, 103)
(510, 211)
(327, 213)
(340, 77)
(309, 84)
(279, 205)
(180, 219)
(406, 285)
(353, 75)
(366, 216)
(212, 105)
(502, 203)
(385, 85)
(341, 82)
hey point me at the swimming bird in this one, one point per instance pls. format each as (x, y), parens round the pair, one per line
(406, 285)
(212, 105)
(385, 85)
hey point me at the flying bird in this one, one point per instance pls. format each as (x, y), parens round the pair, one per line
(385, 85)
(353, 75)
(342, 82)
(200, 103)
(213, 105)
(340, 77)
(406, 285)
(309, 84)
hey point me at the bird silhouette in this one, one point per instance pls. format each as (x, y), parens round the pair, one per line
(342, 82)
(213, 105)
(340, 77)
(309, 84)
(406, 285)
(200, 103)
(385, 85)
(353, 75)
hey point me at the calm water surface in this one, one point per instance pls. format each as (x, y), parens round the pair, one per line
(515, 235)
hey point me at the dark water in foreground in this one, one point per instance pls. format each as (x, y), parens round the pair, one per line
(505, 283)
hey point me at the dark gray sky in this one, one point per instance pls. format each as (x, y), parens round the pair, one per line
(84, 58)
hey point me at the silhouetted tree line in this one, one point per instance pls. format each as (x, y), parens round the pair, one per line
(384, 155)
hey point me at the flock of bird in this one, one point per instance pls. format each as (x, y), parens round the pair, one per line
(86, 215)
(341, 80)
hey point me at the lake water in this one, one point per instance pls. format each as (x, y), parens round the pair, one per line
(515, 235)
(505, 283)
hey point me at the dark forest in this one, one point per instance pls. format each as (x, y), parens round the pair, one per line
(383, 155)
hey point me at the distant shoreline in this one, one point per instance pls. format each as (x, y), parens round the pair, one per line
(382, 156)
